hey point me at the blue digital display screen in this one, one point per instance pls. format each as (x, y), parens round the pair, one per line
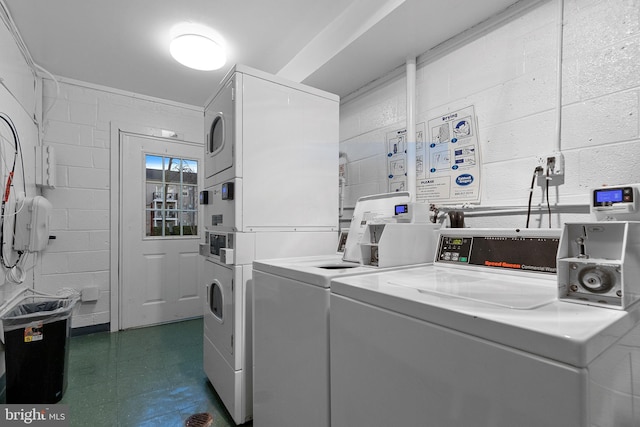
(402, 209)
(609, 196)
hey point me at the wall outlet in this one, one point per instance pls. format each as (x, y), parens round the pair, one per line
(552, 165)
(89, 294)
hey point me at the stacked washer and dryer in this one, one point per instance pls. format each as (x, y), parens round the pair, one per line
(271, 190)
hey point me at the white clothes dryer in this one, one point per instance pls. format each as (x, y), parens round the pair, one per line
(480, 339)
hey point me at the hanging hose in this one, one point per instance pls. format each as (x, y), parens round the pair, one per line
(7, 190)
(537, 170)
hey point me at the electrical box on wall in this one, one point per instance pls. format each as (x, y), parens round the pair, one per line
(32, 225)
(552, 169)
(45, 166)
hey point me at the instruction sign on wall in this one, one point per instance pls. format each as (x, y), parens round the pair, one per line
(448, 165)
(397, 160)
(447, 159)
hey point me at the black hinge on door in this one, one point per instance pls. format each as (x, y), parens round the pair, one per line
(231, 285)
(231, 340)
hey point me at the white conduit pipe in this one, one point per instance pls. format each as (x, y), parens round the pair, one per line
(513, 210)
(342, 183)
(411, 128)
(557, 145)
(569, 207)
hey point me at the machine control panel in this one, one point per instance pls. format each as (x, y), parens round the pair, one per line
(512, 252)
(455, 249)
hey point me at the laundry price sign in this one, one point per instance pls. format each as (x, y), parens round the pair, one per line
(448, 165)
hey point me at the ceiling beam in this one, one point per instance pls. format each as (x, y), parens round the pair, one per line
(356, 20)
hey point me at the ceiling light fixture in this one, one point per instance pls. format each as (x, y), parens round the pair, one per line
(197, 47)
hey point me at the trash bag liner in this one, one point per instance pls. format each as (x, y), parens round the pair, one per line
(37, 309)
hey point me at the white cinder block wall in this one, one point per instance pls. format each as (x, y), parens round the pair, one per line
(508, 72)
(78, 127)
(19, 100)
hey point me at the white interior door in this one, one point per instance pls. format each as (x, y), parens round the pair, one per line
(160, 267)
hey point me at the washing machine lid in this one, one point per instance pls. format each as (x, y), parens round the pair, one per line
(514, 310)
(313, 270)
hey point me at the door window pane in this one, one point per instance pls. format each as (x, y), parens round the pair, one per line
(173, 168)
(189, 172)
(189, 223)
(171, 203)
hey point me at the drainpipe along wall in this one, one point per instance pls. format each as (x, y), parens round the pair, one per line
(411, 127)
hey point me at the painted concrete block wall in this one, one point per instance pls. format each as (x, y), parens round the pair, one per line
(19, 97)
(509, 74)
(19, 100)
(78, 127)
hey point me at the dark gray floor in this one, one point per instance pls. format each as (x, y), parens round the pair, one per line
(142, 377)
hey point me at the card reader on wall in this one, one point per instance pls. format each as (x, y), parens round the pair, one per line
(616, 203)
(412, 212)
(32, 225)
(227, 191)
(204, 197)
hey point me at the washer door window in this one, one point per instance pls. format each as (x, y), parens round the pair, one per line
(219, 311)
(216, 302)
(216, 135)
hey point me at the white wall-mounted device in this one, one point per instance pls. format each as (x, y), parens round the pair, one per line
(620, 203)
(412, 212)
(32, 225)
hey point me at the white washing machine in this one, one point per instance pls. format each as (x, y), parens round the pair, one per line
(291, 324)
(291, 338)
(480, 339)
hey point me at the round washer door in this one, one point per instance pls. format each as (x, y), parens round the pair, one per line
(219, 308)
(219, 130)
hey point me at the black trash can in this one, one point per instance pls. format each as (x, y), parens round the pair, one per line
(36, 340)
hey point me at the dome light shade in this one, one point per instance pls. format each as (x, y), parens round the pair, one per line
(197, 52)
